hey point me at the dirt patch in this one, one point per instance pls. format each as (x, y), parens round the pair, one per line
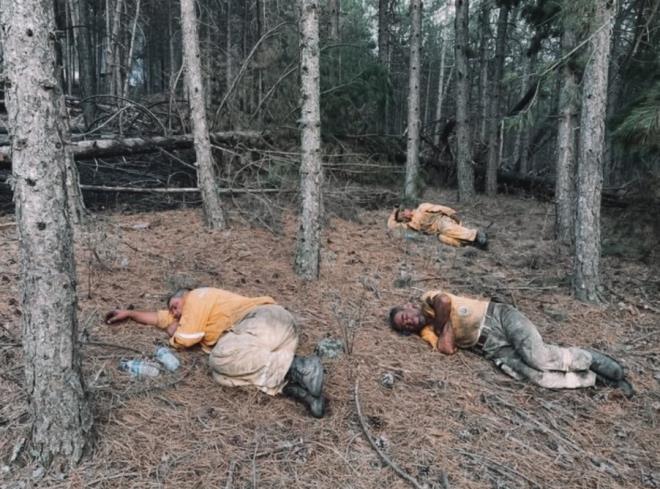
(447, 421)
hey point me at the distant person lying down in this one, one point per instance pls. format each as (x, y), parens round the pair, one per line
(440, 221)
(505, 336)
(250, 341)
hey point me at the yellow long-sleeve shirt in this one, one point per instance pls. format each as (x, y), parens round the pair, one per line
(206, 314)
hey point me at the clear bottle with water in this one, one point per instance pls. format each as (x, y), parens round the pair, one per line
(169, 360)
(139, 368)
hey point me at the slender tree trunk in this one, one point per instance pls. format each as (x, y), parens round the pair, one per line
(382, 31)
(82, 39)
(522, 142)
(60, 414)
(484, 30)
(411, 189)
(566, 130)
(229, 64)
(586, 275)
(311, 170)
(437, 127)
(206, 180)
(464, 168)
(334, 8)
(494, 121)
(131, 45)
(114, 71)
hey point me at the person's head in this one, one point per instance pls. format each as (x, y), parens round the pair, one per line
(175, 302)
(403, 215)
(407, 318)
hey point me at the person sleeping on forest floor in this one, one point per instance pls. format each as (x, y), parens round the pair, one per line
(440, 221)
(250, 341)
(505, 336)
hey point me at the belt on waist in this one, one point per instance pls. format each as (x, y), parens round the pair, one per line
(481, 341)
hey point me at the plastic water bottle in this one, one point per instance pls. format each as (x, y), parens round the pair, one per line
(169, 360)
(139, 368)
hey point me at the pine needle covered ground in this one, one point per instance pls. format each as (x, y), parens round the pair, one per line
(447, 422)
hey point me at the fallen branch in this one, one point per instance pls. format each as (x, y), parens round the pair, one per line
(105, 148)
(401, 473)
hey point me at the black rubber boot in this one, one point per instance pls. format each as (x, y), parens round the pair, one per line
(481, 240)
(605, 365)
(625, 386)
(315, 405)
(308, 373)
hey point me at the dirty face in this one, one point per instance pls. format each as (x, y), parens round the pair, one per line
(409, 318)
(405, 214)
(176, 307)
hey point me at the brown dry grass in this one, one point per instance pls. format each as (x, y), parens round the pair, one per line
(454, 415)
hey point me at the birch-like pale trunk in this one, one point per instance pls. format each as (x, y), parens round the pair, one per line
(411, 187)
(494, 120)
(206, 181)
(586, 273)
(308, 245)
(464, 168)
(60, 414)
(566, 143)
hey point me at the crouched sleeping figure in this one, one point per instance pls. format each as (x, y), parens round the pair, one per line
(505, 336)
(250, 341)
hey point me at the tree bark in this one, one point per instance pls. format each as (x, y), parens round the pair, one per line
(494, 120)
(60, 413)
(411, 188)
(586, 277)
(464, 168)
(206, 181)
(441, 91)
(484, 31)
(311, 171)
(334, 9)
(566, 131)
(83, 42)
(382, 31)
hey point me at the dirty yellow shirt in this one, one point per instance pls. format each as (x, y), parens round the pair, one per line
(206, 314)
(425, 218)
(466, 318)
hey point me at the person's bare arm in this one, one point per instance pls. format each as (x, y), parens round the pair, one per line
(171, 329)
(143, 317)
(442, 325)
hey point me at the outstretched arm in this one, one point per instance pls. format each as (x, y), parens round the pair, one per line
(143, 317)
(442, 325)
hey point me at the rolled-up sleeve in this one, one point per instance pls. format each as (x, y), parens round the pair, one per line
(164, 319)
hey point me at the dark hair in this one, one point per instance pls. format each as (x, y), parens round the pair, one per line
(393, 312)
(396, 214)
(177, 293)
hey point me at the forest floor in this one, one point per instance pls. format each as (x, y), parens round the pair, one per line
(447, 421)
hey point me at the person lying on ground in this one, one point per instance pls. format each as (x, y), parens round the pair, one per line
(440, 221)
(505, 336)
(250, 341)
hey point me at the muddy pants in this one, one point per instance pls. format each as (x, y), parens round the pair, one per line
(258, 350)
(516, 347)
(453, 234)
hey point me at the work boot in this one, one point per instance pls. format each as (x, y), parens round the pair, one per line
(315, 405)
(308, 373)
(605, 365)
(625, 386)
(481, 240)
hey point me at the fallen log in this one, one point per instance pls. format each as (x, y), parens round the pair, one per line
(106, 148)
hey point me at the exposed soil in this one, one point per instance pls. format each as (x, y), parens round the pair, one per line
(447, 421)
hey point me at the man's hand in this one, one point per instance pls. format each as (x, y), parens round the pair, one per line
(117, 316)
(171, 329)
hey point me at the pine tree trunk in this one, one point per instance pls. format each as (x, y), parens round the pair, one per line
(464, 168)
(206, 180)
(311, 172)
(494, 121)
(411, 189)
(82, 39)
(437, 126)
(60, 414)
(586, 275)
(566, 131)
(382, 31)
(333, 8)
(484, 31)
